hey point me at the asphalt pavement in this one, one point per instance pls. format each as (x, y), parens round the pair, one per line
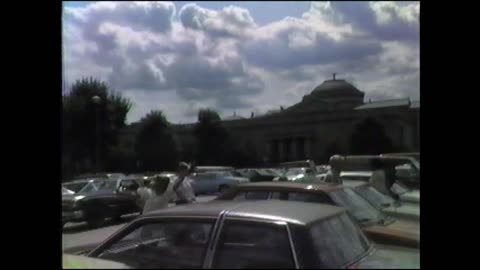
(79, 234)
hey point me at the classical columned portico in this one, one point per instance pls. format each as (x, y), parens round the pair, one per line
(289, 148)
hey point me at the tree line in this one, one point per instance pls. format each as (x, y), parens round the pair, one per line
(96, 137)
(95, 133)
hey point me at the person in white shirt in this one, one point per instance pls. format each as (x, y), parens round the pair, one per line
(144, 193)
(162, 193)
(183, 186)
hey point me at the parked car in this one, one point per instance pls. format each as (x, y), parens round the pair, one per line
(406, 188)
(356, 176)
(66, 191)
(76, 185)
(378, 226)
(310, 164)
(407, 168)
(244, 235)
(260, 175)
(212, 182)
(100, 199)
(83, 262)
(369, 193)
(200, 169)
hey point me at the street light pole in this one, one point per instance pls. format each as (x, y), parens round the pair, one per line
(97, 101)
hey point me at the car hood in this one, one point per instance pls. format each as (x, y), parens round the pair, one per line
(71, 197)
(409, 211)
(83, 262)
(386, 256)
(239, 179)
(399, 233)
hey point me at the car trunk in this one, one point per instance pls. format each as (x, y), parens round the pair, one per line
(398, 233)
(386, 256)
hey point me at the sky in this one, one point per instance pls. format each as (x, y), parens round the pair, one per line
(240, 57)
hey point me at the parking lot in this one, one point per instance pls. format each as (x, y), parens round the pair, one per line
(79, 234)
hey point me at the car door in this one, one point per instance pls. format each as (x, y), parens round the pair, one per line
(160, 243)
(126, 196)
(253, 244)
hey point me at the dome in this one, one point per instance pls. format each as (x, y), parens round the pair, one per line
(336, 88)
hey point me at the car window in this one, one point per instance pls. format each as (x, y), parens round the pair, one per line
(251, 195)
(246, 245)
(130, 184)
(363, 211)
(75, 187)
(338, 241)
(165, 245)
(205, 176)
(309, 197)
(373, 196)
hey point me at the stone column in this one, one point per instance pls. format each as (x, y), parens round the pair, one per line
(307, 148)
(281, 150)
(293, 149)
(268, 151)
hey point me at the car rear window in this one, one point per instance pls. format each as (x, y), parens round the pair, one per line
(338, 241)
(251, 195)
(162, 245)
(257, 245)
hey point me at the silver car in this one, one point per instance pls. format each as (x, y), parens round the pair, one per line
(212, 182)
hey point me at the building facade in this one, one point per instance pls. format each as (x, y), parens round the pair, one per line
(322, 120)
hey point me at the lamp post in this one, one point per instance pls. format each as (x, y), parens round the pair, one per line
(97, 101)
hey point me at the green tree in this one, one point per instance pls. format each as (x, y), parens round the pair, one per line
(370, 138)
(79, 122)
(155, 144)
(211, 138)
(332, 149)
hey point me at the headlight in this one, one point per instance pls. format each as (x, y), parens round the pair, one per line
(77, 198)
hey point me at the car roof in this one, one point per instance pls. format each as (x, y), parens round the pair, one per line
(354, 183)
(79, 181)
(360, 173)
(271, 210)
(290, 185)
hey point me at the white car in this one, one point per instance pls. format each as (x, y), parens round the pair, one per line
(212, 182)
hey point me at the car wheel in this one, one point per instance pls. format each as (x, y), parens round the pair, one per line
(222, 188)
(95, 221)
(117, 218)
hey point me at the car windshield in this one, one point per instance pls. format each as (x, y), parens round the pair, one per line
(75, 187)
(374, 197)
(338, 242)
(295, 172)
(362, 210)
(99, 186)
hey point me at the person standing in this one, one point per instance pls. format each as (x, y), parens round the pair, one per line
(182, 185)
(162, 193)
(164, 190)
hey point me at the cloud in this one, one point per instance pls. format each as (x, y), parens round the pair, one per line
(230, 21)
(220, 58)
(152, 16)
(382, 20)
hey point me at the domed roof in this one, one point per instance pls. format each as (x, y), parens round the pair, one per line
(335, 87)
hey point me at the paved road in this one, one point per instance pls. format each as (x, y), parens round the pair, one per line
(79, 234)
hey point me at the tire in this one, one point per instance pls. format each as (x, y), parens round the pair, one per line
(96, 221)
(117, 218)
(223, 188)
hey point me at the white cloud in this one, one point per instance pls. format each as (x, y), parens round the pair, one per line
(223, 60)
(230, 21)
